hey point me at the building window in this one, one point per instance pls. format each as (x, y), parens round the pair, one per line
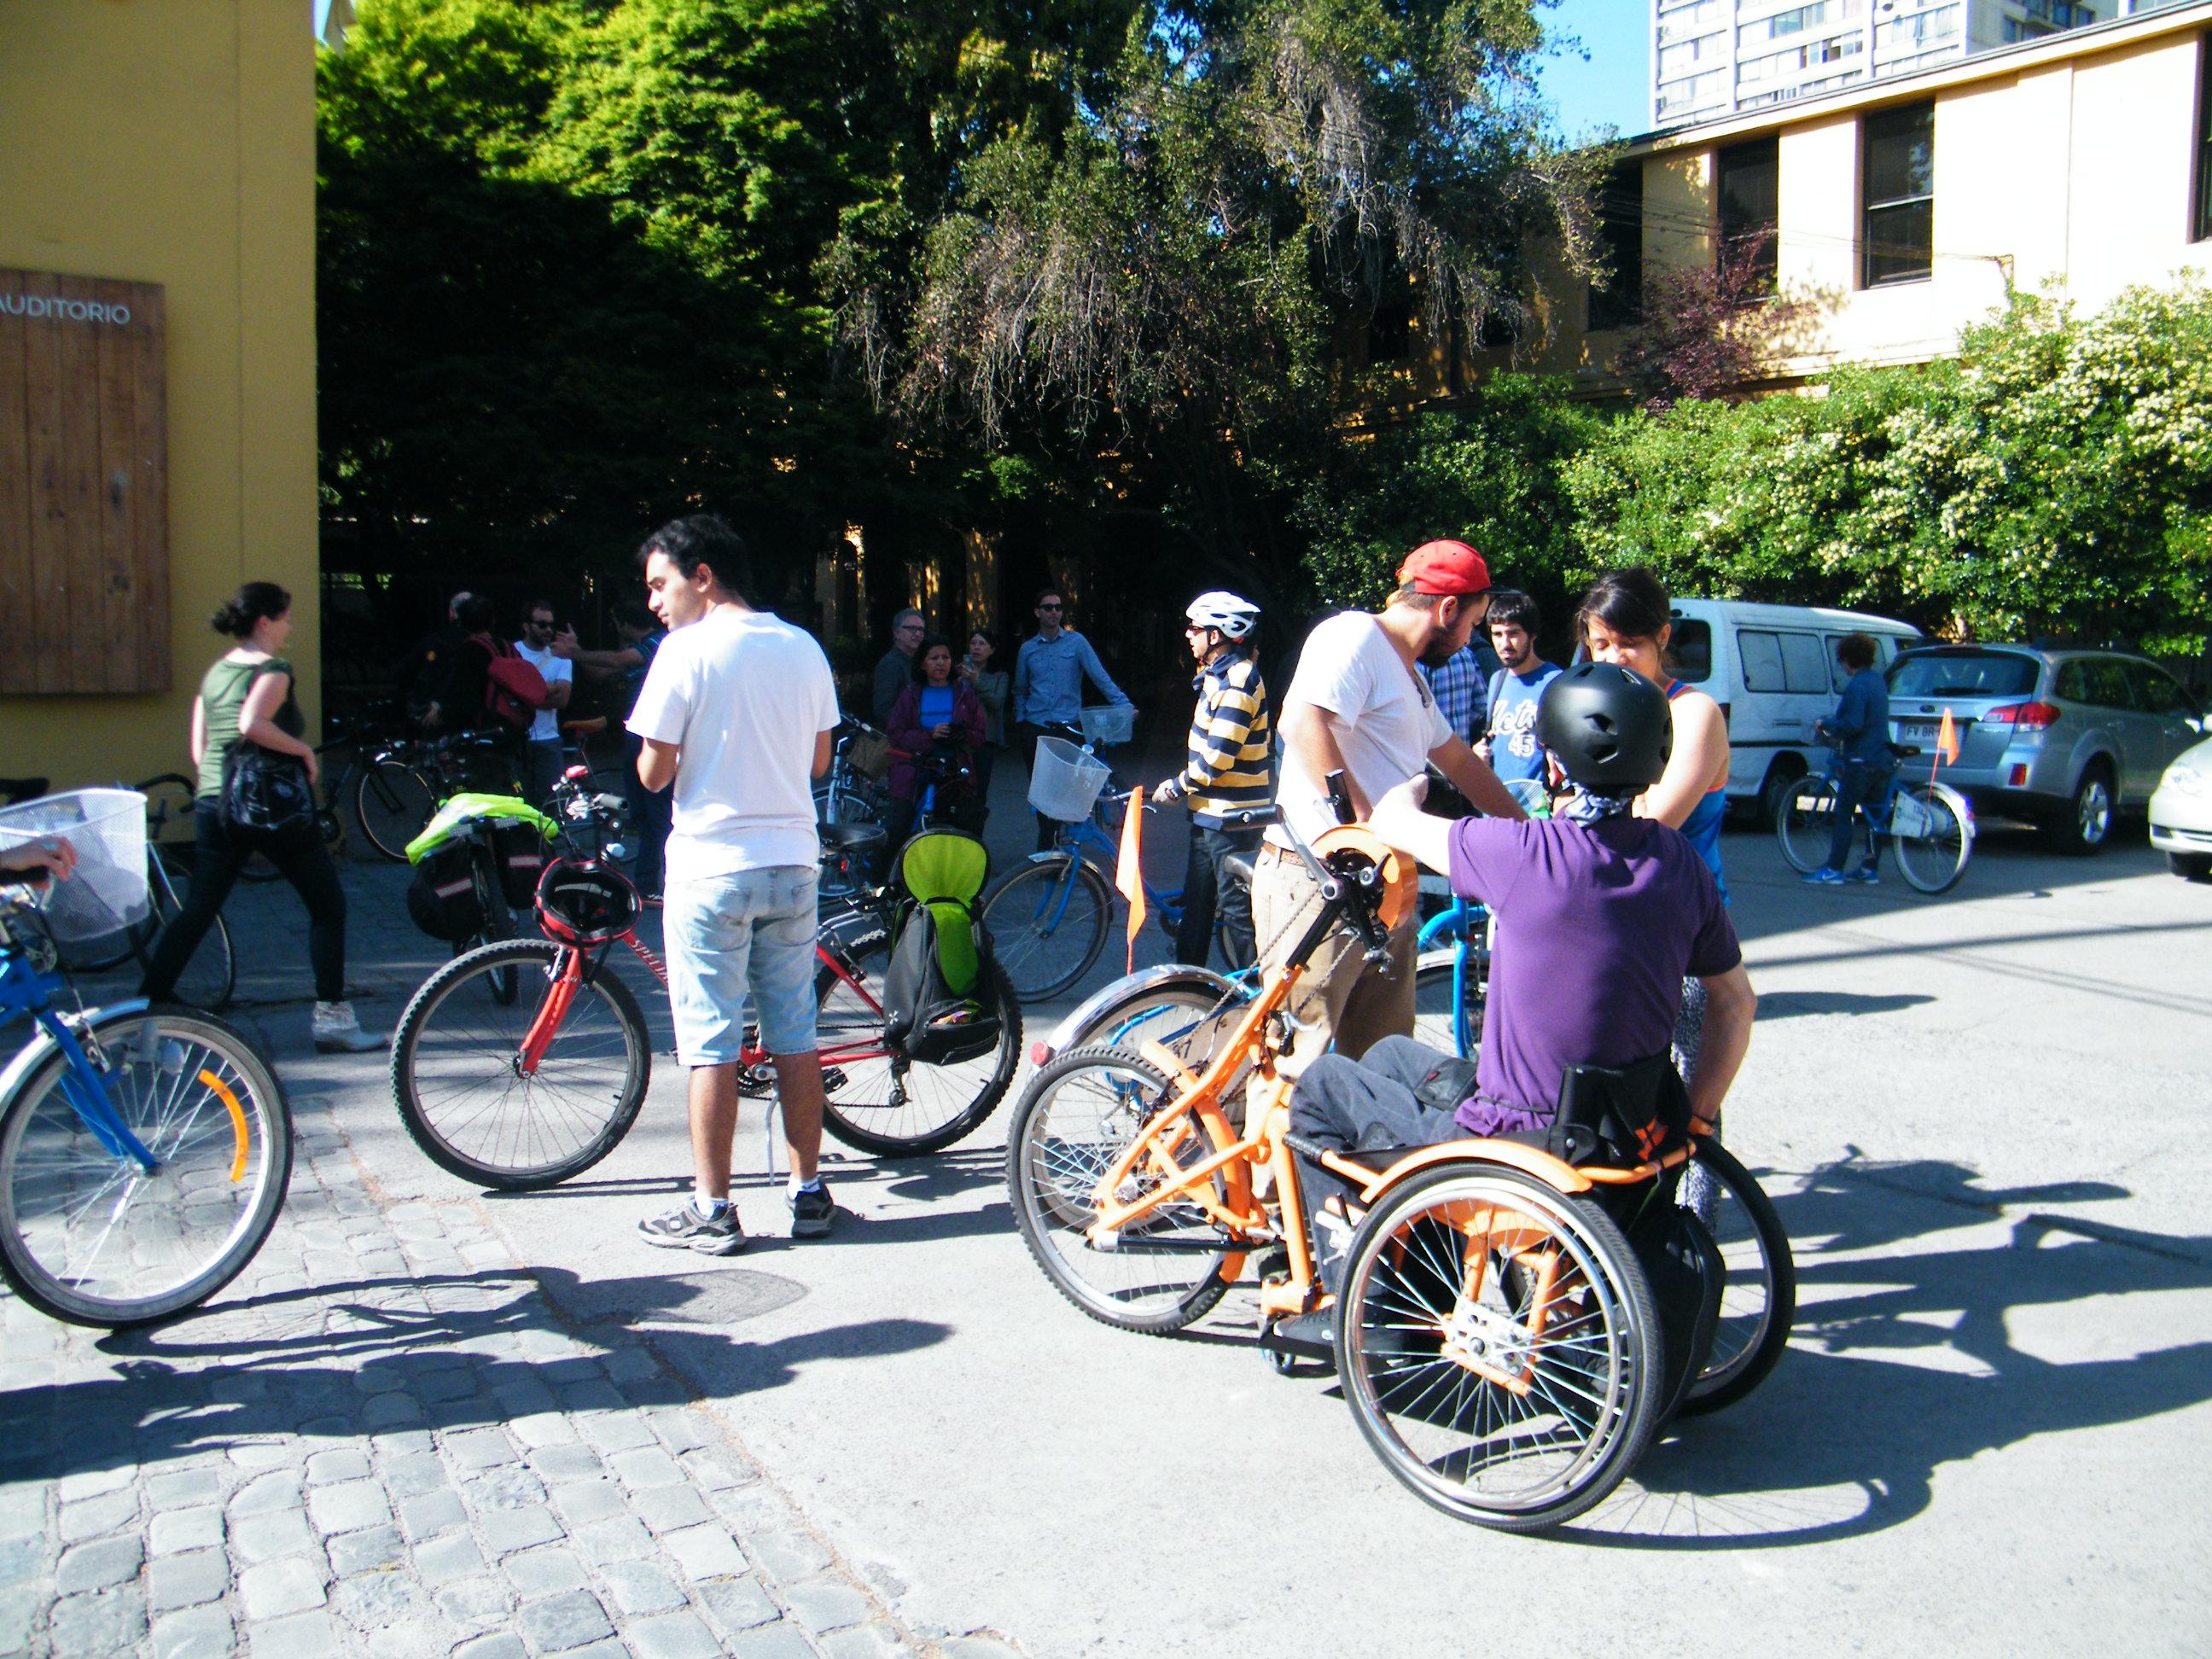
(1617, 302)
(1898, 168)
(2202, 225)
(1748, 179)
(1925, 29)
(1707, 87)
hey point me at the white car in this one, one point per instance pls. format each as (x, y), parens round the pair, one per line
(2181, 813)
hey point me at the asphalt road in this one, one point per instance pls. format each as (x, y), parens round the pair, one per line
(1984, 1118)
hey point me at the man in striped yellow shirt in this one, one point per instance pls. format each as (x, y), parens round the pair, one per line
(1230, 768)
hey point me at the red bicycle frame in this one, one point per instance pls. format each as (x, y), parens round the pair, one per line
(561, 996)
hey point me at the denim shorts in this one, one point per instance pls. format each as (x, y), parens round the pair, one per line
(752, 931)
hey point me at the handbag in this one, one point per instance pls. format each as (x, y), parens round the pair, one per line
(262, 790)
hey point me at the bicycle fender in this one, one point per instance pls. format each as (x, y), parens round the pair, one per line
(1216, 986)
(42, 1043)
(1553, 1172)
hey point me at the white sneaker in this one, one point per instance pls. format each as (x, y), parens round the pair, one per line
(337, 1030)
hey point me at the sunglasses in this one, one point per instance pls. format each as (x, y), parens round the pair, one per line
(1051, 607)
(534, 623)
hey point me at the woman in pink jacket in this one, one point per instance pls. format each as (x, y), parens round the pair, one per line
(938, 723)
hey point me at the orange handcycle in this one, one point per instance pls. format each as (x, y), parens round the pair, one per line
(1505, 1348)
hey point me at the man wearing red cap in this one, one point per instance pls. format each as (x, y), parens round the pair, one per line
(1358, 706)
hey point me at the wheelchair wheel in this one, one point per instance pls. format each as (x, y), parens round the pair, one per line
(1498, 1347)
(1760, 1298)
(1077, 1116)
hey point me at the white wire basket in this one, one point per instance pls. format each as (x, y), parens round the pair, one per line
(107, 826)
(1109, 723)
(1065, 783)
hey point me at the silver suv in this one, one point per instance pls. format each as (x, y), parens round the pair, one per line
(2066, 738)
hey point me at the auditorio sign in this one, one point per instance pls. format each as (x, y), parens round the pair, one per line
(84, 492)
(61, 308)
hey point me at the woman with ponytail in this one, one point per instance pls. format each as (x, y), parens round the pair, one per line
(1626, 619)
(246, 697)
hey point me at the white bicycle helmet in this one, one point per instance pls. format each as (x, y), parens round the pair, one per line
(1222, 609)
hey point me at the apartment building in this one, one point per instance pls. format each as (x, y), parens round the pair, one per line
(1712, 58)
(1900, 211)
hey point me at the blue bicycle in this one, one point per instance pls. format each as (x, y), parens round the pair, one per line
(144, 1151)
(1451, 977)
(1050, 919)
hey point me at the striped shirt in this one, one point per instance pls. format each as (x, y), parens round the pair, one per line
(1231, 764)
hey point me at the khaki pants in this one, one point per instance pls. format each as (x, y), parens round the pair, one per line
(1339, 996)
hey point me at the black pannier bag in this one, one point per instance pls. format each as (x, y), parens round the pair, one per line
(519, 849)
(442, 897)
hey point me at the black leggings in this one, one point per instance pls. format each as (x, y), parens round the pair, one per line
(220, 854)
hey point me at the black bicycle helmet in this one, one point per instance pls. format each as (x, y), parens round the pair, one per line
(585, 901)
(1608, 726)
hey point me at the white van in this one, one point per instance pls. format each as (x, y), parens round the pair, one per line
(1773, 669)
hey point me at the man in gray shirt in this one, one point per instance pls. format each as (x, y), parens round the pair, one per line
(896, 671)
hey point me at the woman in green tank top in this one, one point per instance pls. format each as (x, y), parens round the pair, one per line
(246, 696)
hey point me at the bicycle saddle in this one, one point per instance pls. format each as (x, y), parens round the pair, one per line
(1237, 867)
(854, 837)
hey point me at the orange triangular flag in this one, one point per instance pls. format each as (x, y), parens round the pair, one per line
(1129, 869)
(1947, 740)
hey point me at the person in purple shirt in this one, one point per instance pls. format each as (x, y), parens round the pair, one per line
(1600, 916)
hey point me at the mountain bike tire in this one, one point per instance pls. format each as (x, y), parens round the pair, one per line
(465, 1102)
(906, 1110)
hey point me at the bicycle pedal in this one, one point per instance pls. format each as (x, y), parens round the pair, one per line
(833, 1078)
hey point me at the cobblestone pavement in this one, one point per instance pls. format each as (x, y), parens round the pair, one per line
(390, 1436)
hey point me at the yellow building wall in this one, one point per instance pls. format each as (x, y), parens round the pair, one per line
(172, 142)
(2077, 173)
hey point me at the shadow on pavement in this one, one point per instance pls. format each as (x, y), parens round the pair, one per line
(1903, 1360)
(1767, 897)
(440, 1352)
(1784, 1005)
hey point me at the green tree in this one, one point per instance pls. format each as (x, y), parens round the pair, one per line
(565, 259)
(1160, 276)
(1489, 472)
(2055, 478)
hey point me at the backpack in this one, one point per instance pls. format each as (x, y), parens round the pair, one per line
(940, 1007)
(513, 689)
(1682, 1264)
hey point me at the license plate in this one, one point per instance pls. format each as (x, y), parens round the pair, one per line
(1918, 731)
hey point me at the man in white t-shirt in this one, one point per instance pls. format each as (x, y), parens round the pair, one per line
(541, 751)
(736, 713)
(1357, 705)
